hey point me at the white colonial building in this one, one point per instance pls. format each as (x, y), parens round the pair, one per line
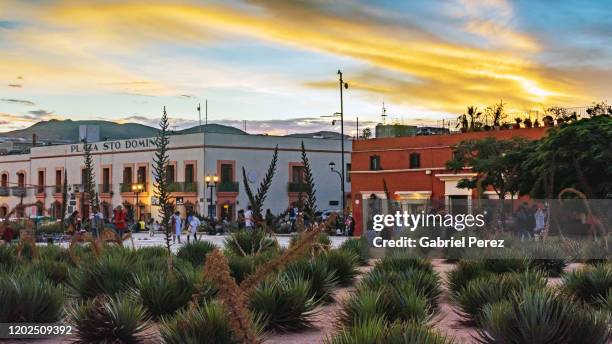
(123, 166)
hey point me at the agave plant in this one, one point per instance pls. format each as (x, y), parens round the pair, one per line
(151, 252)
(464, 272)
(541, 316)
(241, 266)
(414, 333)
(377, 330)
(205, 323)
(321, 244)
(590, 283)
(322, 279)
(107, 274)
(364, 307)
(356, 246)
(54, 270)
(546, 256)
(343, 263)
(7, 259)
(30, 298)
(105, 319)
(165, 292)
(494, 288)
(250, 242)
(370, 331)
(285, 303)
(195, 252)
(53, 252)
(403, 261)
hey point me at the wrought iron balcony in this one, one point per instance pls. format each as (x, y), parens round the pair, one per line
(183, 187)
(228, 187)
(4, 191)
(19, 191)
(106, 188)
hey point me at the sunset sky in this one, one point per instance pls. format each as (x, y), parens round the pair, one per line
(274, 63)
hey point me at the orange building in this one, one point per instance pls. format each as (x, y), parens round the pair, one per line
(414, 170)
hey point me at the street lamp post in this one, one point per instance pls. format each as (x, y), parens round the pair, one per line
(211, 183)
(343, 85)
(137, 188)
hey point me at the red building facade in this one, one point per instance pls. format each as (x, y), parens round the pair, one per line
(414, 171)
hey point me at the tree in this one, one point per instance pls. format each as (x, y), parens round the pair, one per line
(161, 183)
(64, 199)
(473, 114)
(576, 155)
(89, 189)
(599, 109)
(310, 206)
(366, 133)
(493, 161)
(256, 201)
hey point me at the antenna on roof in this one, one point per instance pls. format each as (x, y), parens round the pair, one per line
(384, 113)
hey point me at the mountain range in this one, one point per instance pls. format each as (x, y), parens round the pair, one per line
(68, 130)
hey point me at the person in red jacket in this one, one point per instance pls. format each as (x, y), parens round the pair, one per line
(7, 235)
(119, 220)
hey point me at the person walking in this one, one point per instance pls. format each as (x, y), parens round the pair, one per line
(540, 221)
(193, 222)
(177, 226)
(248, 218)
(96, 222)
(120, 220)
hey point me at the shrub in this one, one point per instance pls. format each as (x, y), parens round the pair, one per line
(30, 298)
(7, 258)
(55, 271)
(541, 316)
(241, 267)
(195, 252)
(322, 279)
(343, 263)
(105, 319)
(403, 261)
(285, 303)
(378, 331)
(423, 282)
(151, 252)
(605, 303)
(590, 283)
(321, 244)
(494, 288)
(53, 252)
(464, 272)
(546, 256)
(164, 293)
(206, 323)
(355, 246)
(250, 242)
(107, 274)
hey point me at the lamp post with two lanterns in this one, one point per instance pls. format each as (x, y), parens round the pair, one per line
(211, 183)
(137, 189)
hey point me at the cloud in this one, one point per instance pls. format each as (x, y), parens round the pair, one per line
(41, 113)
(15, 85)
(18, 101)
(10, 121)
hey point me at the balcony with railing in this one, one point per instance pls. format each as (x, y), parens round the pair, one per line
(131, 187)
(5, 191)
(105, 189)
(19, 191)
(228, 187)
(297, 187)
(186, 187)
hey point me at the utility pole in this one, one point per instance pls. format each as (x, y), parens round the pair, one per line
(200, 117)
(206, 112)
(342, 85)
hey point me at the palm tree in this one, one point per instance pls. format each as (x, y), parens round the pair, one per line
(474, 115)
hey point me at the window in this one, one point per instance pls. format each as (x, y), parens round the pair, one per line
(58, 181)
(170, 178)
(127, 175)
(348, 172)
(375, 163)
(3, 211)
(297, 174)
(415, 160)
(105, 180)
(227, 173)
(21, 179)
(141, 175)
(189, 173)
(41, 182)
(4, 180)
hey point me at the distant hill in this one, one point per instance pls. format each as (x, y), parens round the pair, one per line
(319, 134)
(212, 128)
(69, 130)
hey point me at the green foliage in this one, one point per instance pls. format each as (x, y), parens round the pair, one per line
(541, 316)
(53, 252)
(372, 330)
(414, 333)
(161, 182)
(546, 256)
(355, 246)
(241, 266)
(7, 258)
(377, 330)
(29, 297)
(90, 176)
(310, 205)
(322, 279)
(50, 228)
(164, 293)
(249, 242)
(105, 319)
(108, 274)
(343, 263)
(207, 323)
(493, 288)
(257, 201)
(590, 283)
(55, 271)
(285, 303)
(195, 252)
